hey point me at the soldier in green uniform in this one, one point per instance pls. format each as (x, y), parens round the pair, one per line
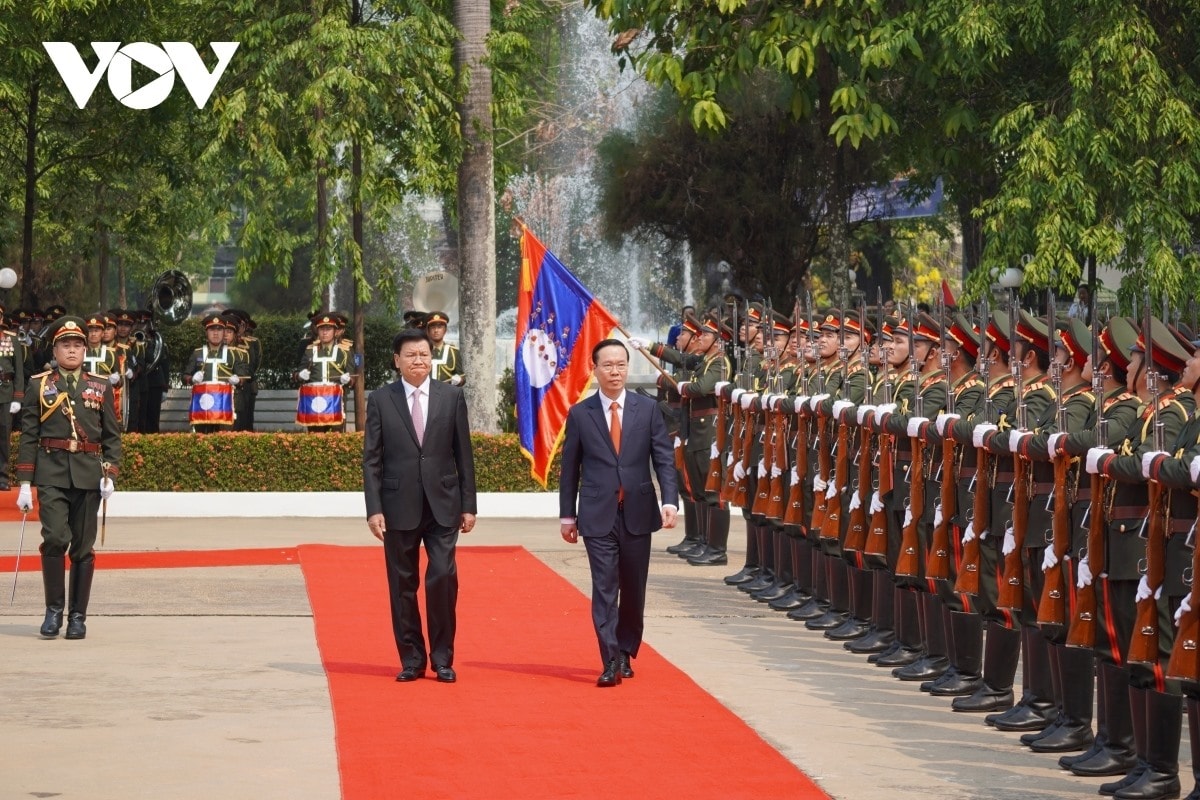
(70, 446)
(324, 361)
(447, 361)
(216, 362)
(101, 358)
(12, 391)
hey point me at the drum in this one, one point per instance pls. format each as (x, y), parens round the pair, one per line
(320, 405)
(212, 404)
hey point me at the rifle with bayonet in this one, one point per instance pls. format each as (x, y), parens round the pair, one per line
(856, 528)
(1052, 607)
(981, 509)
(877, 529)
(1143, 646)
(795, 513)
(824, 457)
(716, 475)
(770, 422)
(908, 563)
(839, 476)
(1011, 593)
(938, 561)
(1184, 664)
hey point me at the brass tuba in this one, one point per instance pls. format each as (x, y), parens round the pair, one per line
(171, 297)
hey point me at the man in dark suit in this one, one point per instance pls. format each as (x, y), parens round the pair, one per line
(613, 440)
(419, 481)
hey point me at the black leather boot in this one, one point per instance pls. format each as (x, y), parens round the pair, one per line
(718, 537)
(750, 569)
(1001, 649)
(1036, 710)
(1076, 667)
(691, 527)
(54, 584)
(1163, 730)
(1137, 713)
(81, 592)
(838, 597)
(1193, 716)
(907, 631)
(879, 639)
(1116, 733)
(935, 662)
(856, 624)
(966, 656)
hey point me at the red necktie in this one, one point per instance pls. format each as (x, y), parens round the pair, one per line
(614, 430)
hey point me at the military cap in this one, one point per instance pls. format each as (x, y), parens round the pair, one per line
(414, 319)
(754, 312)
(1033, 330)
(834, 320)
(780, 325)
(1168, 350)
(54, 312)
(927, 328)
(890, 325)
(66, 327)
(231, 321)
(324, 321)
(1118, 339)
(125, 316)
(997, 331)
(1076, 338)
(20, 315)
(37, 313)
(212, 321)
(109, 320)
(691, 324)
(94, 320)
(437, 318)
(143, 315)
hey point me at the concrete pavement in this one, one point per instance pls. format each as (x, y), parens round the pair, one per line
(202, 683)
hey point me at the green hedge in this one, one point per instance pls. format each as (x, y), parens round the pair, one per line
(290, 462)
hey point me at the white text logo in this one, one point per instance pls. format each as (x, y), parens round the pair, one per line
(165, 61)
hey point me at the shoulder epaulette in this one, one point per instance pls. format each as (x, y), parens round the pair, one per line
(347, 345)
(97, 375)
(42, 374)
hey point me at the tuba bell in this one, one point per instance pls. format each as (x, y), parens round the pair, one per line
(171, 297)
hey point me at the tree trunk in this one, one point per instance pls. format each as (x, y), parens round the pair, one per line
(356, 226)
(477, 218)
(29, 297)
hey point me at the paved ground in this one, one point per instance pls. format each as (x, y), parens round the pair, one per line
(203, 683)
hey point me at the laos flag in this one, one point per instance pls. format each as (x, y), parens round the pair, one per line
(558, 324)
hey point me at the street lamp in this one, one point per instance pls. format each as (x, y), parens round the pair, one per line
(1011, 278)
(8, 278)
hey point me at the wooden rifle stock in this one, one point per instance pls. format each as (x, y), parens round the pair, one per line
(1052, 608)
(1082, 632)
(839, 476)
(741, 486)
(794, 513)
(908, 564)
(968, 571)
(856, 529)
(729, 485)
(823, 467)
(715, 473)
(775, 505)
(937, 564)
(877, 532)
(762, 493)
(1011, 594)
(1143, 645)
(1184, 664)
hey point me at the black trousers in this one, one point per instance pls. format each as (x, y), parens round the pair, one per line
(620, 564)
(69, 523)
(402, 552)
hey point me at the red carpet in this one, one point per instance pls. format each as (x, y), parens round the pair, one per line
(167, 559)
(525, 719)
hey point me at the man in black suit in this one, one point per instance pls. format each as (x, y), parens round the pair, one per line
(613, 440)
(419, 481)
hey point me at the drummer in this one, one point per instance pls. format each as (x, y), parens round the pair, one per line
(213, 370)
(324, 370)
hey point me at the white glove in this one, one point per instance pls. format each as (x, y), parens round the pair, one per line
(720, 384)
(794, 476)
(728, 456)
(855, 500)
(345, 378)
(776, 471)
(14, 407)
(937, 515)
(1092, 464)
(914, 426)
(1143, 590)
(739, 471)
(819, 485)
(1049, 560)
(876, 503)
(106, 488)
(1014, 440)
(746, 399)
(907, 517)
(886, 408)
(234, 380)
(762, 466)
(678, 443)
(198, 376)
(865, 409)
(736, 394)
(129, 374)
(303, 374)
(637, 343)
(943, 421)
(114, 378)
(1195, 470)
(840, 406)
(800, 403)
(832, 491)
(25, 498)
(774, 400)
(1083, 573)
(1185, 605)
(981, 430)
(969, 534)
(983, 534)
(815, 401)
(1009, 543)
(455, 380)
(679, 387)
(1052, 443)
(1148, 459)
(713, 452)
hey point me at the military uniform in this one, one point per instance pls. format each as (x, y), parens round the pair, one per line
(447, 361)
(323, 364)
(216, 364)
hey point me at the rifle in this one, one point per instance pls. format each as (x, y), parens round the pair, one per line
(1011, 593)
(937, 562)
(1052, 608)
(877, 538)
(1143, 646)
(824, 457)
(856, 529)
(714, 481)
(770, 427)
(1082, 632)
(968, 572)
(1184, 664)
(795, 512)
(839, 477)
(908, 563)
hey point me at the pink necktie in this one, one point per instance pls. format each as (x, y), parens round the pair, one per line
(418, 417)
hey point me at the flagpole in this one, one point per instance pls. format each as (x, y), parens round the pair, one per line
(653, 362)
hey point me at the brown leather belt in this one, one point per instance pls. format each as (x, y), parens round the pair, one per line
(70, 445)
(701, 412)
(1180, 525)
(1040, 489)
(1005, 477)
(1125, 512)
(705, 406)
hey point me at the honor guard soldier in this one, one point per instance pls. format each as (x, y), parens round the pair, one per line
(70, 447)
(12, 391)
(244, 338)
(100, 358)
(324, 370)
(447, 362)
(213, 371)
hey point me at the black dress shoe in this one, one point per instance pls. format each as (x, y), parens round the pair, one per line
(1033, 736)
(985, 698)
(1108, 761)
(1151, 785)
(793, 599)
(711, 557)
(445, 674)
(1112, 787)
(611, 675)
(626, 669)
(75, 627)
(772, 592)
(958, 685)
(923, 669)
(891, 649)
(410, 674)
(693, 550)
(1066, 762)
(810, 610)
(53, 623)
(875, 641)
(1064, 739)
(1033, 716)
(901, 658)
(744, 575)
(852, 628)
(828, 621)
(760, 582)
